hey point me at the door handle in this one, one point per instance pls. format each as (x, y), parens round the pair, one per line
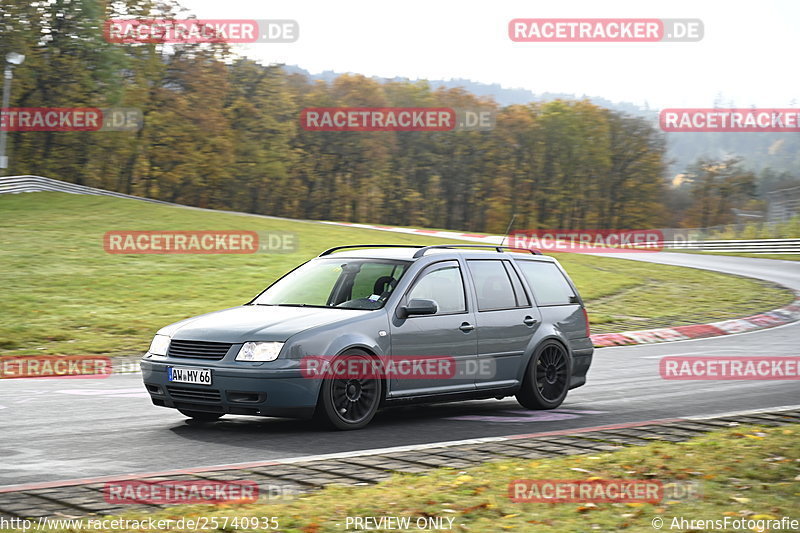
(466, 327)
(530, 321)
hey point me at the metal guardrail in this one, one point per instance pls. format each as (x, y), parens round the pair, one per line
(755, 246)
(30, 183)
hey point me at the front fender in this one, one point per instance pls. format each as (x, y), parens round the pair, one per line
(331, 340)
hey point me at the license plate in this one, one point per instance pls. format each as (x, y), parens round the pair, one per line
(199, 376)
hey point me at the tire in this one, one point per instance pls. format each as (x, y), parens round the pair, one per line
(546, 380)
(346, 404)
(201, 416)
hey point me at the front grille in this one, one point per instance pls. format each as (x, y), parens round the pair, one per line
(194, 395)
(211, 351)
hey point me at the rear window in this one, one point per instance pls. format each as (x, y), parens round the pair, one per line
(548, 283)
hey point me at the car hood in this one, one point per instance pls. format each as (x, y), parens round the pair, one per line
(255, 323)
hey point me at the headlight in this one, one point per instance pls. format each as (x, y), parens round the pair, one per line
(259, 351)
(159, 345)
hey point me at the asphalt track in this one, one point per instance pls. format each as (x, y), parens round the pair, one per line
(59, 429)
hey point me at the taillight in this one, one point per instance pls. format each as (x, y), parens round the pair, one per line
(586, 319)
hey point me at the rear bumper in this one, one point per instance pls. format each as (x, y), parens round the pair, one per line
(582, 352)
(247, 391)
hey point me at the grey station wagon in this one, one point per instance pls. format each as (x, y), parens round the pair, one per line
(510, 322)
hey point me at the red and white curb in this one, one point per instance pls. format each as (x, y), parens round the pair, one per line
(770, 319)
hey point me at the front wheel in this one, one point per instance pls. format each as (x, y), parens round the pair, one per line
(546, 380)
(349, 403)
(201, 416)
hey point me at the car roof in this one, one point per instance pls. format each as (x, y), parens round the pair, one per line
(407, 253)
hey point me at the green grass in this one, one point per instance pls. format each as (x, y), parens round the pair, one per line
(63, 294)
(744, 472)
(625, 295)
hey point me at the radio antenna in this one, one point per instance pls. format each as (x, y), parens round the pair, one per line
(508, 229)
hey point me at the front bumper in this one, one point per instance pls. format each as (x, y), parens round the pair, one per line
(242, 391)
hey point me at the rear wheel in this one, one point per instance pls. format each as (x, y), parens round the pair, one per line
(546, 379)
(201, 415)
(349, 403)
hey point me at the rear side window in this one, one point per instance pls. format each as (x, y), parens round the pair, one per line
(549, 285)
(492, 285)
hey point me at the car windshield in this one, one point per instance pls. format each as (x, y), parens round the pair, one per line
(343, 283)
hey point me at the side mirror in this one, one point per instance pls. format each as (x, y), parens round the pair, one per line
(418, 306)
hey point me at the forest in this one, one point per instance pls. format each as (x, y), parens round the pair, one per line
(222, 131)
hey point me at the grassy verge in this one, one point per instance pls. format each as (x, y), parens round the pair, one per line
(743, 472)
(63, 294)
(627, 295)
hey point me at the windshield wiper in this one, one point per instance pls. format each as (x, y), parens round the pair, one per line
(300, 305)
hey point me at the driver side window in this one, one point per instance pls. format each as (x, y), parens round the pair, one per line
(375, 279)
(443, 284)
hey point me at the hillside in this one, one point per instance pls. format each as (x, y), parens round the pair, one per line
(64, 294)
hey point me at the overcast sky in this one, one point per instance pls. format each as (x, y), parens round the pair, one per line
(748, 54)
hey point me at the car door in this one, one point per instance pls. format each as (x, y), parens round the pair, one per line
(556, 297)
(506, 321)
(449, 332)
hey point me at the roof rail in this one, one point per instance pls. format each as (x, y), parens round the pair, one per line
(419, 253)
(335, 248)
